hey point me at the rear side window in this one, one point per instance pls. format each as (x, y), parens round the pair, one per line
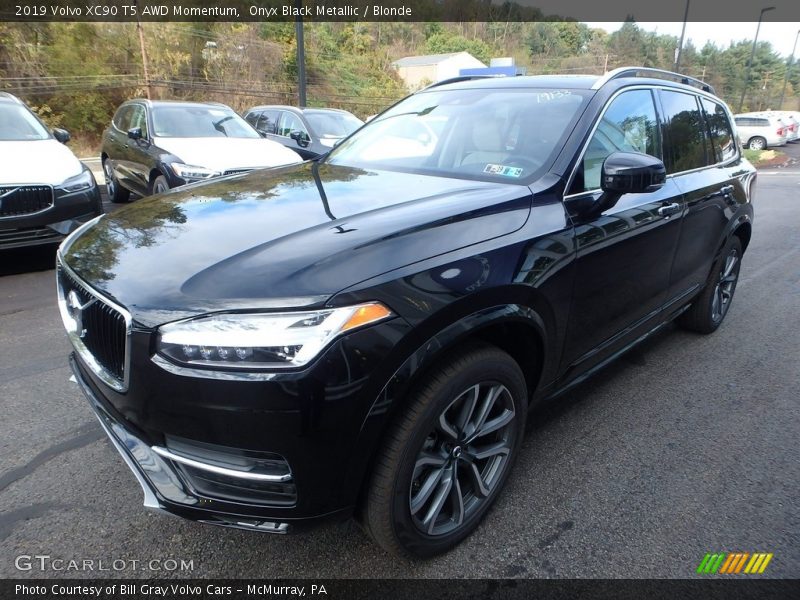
(629, 124)
(722, 144)
(685, 128)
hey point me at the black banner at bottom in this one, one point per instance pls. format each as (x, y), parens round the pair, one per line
(427, 589)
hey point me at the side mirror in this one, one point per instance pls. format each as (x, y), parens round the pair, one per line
(62, 135)
(300, 137)
(135, 133)
(629, 173)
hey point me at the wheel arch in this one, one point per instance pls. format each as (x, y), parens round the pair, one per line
(524, 332)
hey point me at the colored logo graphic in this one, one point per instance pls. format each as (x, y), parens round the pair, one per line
(734, 563)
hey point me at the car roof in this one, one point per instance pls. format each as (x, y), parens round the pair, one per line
(10, 98)
(307, 109)
(618, 78)
(183, 103)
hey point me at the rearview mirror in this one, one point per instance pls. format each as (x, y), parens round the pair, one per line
(301, 137)
(135, 133)
(632, 173)
(62, 135)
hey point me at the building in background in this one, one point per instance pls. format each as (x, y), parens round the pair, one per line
(419, 71)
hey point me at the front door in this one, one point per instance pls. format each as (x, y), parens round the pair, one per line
(624, 255)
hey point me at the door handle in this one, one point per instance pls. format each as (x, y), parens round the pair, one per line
(669, 209)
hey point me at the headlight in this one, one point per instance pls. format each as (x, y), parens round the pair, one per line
(254, 341)
(81, 182)
(192, 172)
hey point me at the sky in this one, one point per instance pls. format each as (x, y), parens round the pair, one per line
(780, 35)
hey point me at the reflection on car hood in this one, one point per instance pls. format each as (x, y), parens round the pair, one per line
(283, 237)
(37, 161)
(221, 153)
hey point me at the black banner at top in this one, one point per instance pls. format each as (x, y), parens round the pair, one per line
(393, 10)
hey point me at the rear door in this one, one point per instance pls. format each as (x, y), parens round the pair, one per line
(703, 160)
(625, 254)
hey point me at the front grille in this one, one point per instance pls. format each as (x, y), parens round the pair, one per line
(17, 201)
(236, 171)
(102, 328)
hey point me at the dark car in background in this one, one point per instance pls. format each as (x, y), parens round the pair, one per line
(364, 334)
(311, 132)
(152, 146)
(45, 192)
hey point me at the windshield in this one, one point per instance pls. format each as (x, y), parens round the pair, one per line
(333, 124)
(200, 121)
(18, 124)
(493, 134)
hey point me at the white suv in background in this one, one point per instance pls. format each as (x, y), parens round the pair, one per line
(759, 131)
(45, 192)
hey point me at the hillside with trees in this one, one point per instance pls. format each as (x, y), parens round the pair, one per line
(75, 74)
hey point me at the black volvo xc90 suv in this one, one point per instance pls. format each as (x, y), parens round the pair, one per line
(365, 334)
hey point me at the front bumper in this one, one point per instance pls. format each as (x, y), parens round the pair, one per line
(166, 487)
(68, 212)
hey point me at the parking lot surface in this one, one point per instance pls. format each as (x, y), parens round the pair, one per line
(687, 445)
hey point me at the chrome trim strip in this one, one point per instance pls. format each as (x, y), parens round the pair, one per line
(164, 453)
(74, 337)
(211, 374)
(38, 212)
(150, 499)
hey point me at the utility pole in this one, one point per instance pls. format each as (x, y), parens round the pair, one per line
(144, 54)
(752, 55)
(301, 56)
(789, 66)
(680, 44)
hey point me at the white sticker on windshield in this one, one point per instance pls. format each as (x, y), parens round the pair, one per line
(503, 170)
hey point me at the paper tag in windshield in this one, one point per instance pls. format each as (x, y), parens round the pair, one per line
(503, 170)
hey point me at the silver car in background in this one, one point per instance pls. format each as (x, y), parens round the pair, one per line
(759, 131)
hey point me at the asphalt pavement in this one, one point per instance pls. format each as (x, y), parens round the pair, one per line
(687, 445)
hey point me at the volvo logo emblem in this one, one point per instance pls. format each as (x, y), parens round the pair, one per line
(76, 311)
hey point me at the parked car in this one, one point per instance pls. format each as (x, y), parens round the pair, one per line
(791, 121)
(153, 146)
(310, 132)
(759, 132)
(45, 192)
(366, 333)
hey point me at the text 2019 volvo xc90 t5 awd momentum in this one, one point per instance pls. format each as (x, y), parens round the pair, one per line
(364, 334)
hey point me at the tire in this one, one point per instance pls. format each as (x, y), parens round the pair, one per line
(116, 193)
(757, 143)
(422, 466)
(707, 312)
(159, 185)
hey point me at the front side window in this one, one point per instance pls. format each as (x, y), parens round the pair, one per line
(503, 134)
(268, 121)
(289, 123)
(722, 141)
(685, 132)
(181, 121)
(122, 120)
(629, 124)
(18, 124)
(138, 119)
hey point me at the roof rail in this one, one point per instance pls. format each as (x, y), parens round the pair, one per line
(460, 78)
(653, 73)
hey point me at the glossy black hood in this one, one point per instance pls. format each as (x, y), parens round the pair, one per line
(283, 237)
